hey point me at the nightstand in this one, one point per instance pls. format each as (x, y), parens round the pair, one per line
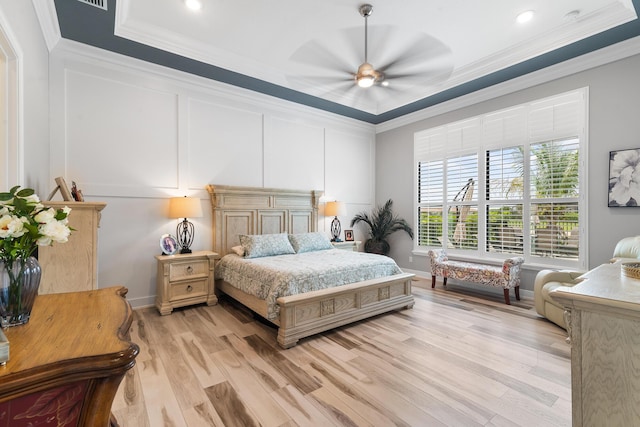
(347, 246)
(185, 279)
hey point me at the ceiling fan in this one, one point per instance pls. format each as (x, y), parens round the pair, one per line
(406, 58)
(367, 76)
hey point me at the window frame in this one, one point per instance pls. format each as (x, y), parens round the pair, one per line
(442, 143)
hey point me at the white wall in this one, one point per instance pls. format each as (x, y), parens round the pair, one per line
(614, 90)
(20, 25)
(133, 134)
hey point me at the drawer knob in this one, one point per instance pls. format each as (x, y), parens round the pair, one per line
(189, 288)
(189, 269)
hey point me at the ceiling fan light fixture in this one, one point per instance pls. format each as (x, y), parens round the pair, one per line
(365, 81)
(367, 76)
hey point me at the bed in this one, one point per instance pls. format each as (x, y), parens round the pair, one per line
(250, 211)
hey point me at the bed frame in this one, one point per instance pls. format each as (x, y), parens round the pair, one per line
(253, 210)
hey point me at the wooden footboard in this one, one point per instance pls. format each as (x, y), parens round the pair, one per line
(313, 312)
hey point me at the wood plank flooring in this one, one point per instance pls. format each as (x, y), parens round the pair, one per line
(460, 357)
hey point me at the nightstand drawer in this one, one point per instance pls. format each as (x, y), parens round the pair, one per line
(188, 270)
(189, 289)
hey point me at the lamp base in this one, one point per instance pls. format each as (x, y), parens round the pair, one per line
(185, 251)
(335, 230)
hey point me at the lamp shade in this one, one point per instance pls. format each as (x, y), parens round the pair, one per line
(335, 209)
(185, 207)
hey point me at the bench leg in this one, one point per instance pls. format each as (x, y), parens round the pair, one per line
(506, 297)
(433, 281)
(517, 289)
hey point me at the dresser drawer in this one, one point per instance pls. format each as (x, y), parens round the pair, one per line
(188, 270)
(190, 289)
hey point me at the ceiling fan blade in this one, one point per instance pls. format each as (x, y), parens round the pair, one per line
(424, 53)
(317, 55)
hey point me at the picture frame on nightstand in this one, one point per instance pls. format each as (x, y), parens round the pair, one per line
(168, 244)
(348, 235)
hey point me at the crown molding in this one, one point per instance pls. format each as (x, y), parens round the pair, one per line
(48, 18)
(98, 57)
(616, 52)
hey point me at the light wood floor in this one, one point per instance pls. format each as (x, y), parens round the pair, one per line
(458, 358)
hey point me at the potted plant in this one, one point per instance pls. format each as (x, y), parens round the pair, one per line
(382, 222)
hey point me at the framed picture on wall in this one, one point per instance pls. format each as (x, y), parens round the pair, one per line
(624, 178)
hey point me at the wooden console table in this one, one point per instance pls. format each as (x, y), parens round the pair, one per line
(66, 364)
(603, 313)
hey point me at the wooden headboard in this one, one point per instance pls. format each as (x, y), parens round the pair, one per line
(255, 210)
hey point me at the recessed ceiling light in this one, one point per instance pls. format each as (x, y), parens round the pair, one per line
(525, 16)
(572, 16)
(193, 4)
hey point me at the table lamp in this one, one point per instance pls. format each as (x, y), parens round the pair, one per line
(335, 209)
(185, 207)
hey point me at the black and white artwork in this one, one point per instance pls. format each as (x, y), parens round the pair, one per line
(624, 178)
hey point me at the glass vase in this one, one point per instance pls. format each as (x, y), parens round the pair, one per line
(19, 282)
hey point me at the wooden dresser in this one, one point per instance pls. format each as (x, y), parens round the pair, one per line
(66, 364)
(73, 266)
(604, 328)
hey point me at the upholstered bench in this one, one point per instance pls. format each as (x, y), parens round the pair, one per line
(506, 276)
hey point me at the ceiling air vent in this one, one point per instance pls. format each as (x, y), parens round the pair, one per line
(102, 4)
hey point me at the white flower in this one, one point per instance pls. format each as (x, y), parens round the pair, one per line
(26, 223)
(45, 216)
(54, 231)
(11, 226)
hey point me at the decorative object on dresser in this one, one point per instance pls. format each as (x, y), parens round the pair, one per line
(25, 224)
(254, 211)
(185, 279)
(335, 209)
(73, 266)
(382, 223)
(61, 185)
(66, 364)
(185, 207)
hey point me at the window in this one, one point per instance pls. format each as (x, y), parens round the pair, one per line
(506, 183)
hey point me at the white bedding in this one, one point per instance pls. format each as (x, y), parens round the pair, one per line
(271, 277)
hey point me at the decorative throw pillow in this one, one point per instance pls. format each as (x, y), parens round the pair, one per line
(239, 250)
(260, 245)
(308, 242)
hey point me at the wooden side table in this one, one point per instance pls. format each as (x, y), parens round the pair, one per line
(347, 246)
(66, 364)
(185, 279)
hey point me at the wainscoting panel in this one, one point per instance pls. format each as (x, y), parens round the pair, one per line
(119, 133)
(349, 170)
(293, 155)
(224, 145)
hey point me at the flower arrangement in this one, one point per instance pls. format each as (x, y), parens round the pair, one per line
(25, 223)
